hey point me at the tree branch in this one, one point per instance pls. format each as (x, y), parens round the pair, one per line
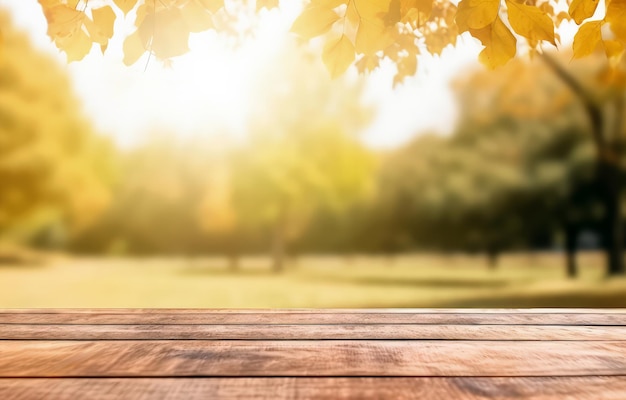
(594, 111)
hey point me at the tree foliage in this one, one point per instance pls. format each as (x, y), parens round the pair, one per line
(360, 32)
(52, 167)
(304, 157)
(517, 172)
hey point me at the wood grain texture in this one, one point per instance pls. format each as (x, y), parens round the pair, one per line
(545, 354)
(312, 332)
(557, 388)
(309, 358)
(93, 311)
(316, 318)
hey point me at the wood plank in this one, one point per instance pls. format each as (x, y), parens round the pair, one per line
(315, 318)
(309, 358)
(313, 310)
(558, 388)
(311, 332)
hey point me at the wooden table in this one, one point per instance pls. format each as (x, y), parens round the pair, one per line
(337, 354)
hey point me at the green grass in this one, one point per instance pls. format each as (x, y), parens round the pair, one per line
(521, 280)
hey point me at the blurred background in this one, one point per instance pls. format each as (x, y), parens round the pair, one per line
(241, 175)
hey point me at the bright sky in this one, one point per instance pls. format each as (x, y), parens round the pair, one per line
(209, 87)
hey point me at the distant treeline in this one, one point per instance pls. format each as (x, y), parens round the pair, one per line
(519, 172)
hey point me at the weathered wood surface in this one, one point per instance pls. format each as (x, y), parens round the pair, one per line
(312, 318)
(310, 358)
(286, 354)
(572, 388)
(311, 332)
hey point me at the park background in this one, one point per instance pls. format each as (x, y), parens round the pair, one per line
(247, 177)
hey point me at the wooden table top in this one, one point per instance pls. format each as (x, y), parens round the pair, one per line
(293, 354)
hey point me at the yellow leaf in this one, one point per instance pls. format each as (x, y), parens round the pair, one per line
(212, 5)
(562, 16)
(500, 44)
(63, 20)
(547, 8)
(314, 21)
(367, 63)
(438, 40)
(104, 18)
(374, 11)
(476, 14)
(372, 8)
(351, 13)
(425, 7)
(338, 54)
(416, 12)
(133, 48)
(614, 49)
(94, 32)
(407, 66)
(125, 5)
(406, 5)
(580, 10)
(197, 18)
(587, 38)
(76, 45)
(329, 3)
(616, 17)
(49, 3)
(372, 36)
(530, 22)
(165, 32)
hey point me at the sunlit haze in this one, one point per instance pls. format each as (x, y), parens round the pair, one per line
(208, 90)
(262, 166)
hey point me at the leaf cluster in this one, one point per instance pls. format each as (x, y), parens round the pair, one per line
(355, 32)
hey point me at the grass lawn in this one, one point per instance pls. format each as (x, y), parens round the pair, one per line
(521, 280)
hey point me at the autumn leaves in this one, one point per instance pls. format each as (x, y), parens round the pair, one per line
(482, 19)
(360, 32)
(73, 31)
(589, 35)
(363, 30)
(162, 26)
(369, 30)
(399, 29)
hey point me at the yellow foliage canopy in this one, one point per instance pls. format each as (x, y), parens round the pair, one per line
(360, 32)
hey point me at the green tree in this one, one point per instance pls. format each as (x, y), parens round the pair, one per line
(302, 151)
(217, 214)
(363, 32)
(158, 199)
(537, 128)
(53, 168)
(518, 166)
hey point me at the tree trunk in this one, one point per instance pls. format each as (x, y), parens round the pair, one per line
(278, 246)
(492, 259)
(294, 258)
(233, 260)
(608, 161)
(571, 241)
(613, 227)
(232, 252)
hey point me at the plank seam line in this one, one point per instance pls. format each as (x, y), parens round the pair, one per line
(7, 377)
(312, 340)
(174, 312)
(298, 324)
